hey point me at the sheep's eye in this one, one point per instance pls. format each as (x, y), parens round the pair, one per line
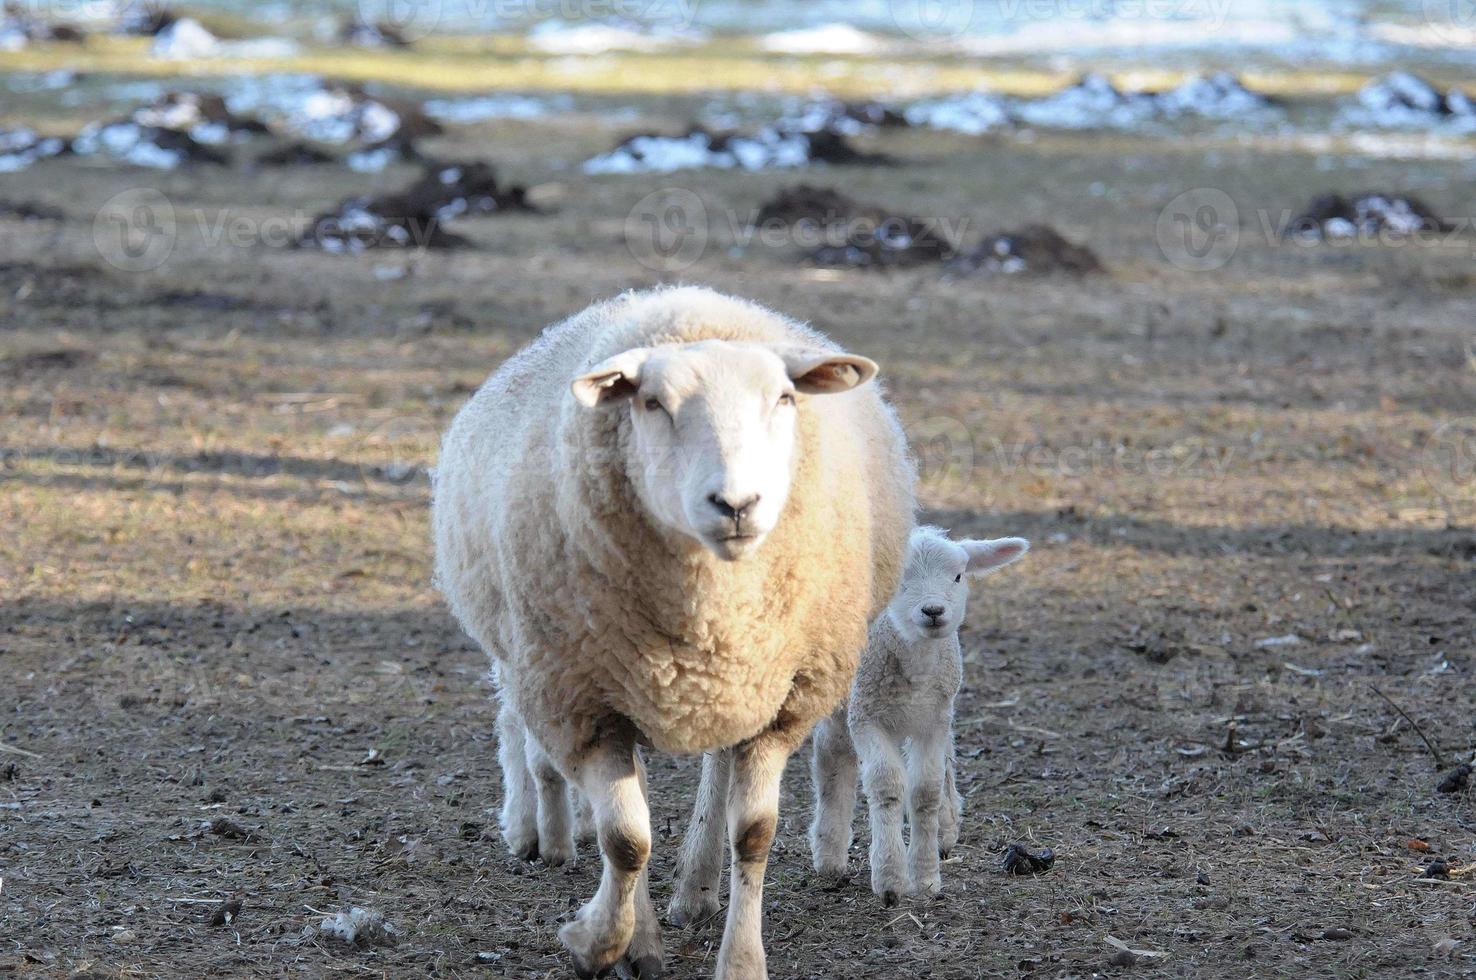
(787, 398)
(958, 577)
(653, 405)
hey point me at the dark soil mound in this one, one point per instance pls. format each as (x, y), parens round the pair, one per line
(1333, 216)
(837, 230)
(416, 217)
(1031, 250)
(295, 154)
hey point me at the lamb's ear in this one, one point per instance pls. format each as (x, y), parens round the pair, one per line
(986, 556)
(611, 380)
(825, 372)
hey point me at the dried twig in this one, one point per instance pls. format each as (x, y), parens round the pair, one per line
(19, 751)
(1434, 749)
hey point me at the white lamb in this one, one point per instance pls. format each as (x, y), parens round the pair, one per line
(900, 721)
(669, 521)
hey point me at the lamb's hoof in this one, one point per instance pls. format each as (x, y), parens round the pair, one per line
(555, 855)
(942, 854)
(524, 848)
(890, 899)
(830, 874)
(647, 967)
(685, 912)
(928, 888)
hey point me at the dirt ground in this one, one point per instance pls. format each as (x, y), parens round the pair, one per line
(226, 674)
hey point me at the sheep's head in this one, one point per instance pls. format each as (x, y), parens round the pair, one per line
(713, 430)
(934, 592)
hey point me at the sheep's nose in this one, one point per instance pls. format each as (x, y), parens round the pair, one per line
(733, 510)
(932, 612)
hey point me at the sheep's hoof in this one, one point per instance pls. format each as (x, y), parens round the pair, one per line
(929, 886)
(593, 954)
(648, 967)
(688, 912)
(890, 899)
(942, 854)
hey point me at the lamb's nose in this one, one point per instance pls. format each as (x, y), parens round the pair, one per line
(734, 510)
(932, 612)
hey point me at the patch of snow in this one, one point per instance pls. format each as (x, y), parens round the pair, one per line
(972, 112)
(699, 149)
(559, 37)
(836, 38)
(482, 107)
(1290, 639)
(19, 148)
(1401, 100)
(184, 39)
(1093, 102)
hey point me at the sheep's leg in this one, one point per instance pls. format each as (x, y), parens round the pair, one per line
(833, 772)
(883, 778)
(519, 800)
(608, 773)
(925, 768)
(584, 828)
(753, 817)
(700, 863)
(555, 835)
(950, 813)
(643, 959)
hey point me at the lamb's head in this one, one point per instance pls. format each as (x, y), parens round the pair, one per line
(934, 592)
(713, 430)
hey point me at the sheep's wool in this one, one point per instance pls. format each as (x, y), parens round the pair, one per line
(593, 615)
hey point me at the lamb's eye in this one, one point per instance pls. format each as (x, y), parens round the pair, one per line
(653, 405)
(787, 398)
(958, 577)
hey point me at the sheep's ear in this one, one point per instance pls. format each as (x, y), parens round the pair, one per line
(824, 372)
(986, 556)
(611, 380)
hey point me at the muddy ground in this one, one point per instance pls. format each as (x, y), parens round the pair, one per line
(226, 675)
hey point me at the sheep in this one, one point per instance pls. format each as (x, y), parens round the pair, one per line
(668, 521)
(899, 720)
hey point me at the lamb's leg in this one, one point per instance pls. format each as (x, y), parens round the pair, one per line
(925, 767)
(753, 817)
(555, 835)
(519, 819)
(608, 773)
(884, 781)
(700, 863)
(833, 773)
(950, 813)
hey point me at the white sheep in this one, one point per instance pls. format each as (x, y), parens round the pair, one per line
(899, 720)
(669, 521)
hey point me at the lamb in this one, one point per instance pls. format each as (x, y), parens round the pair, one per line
(668, 522)
(901, 708)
